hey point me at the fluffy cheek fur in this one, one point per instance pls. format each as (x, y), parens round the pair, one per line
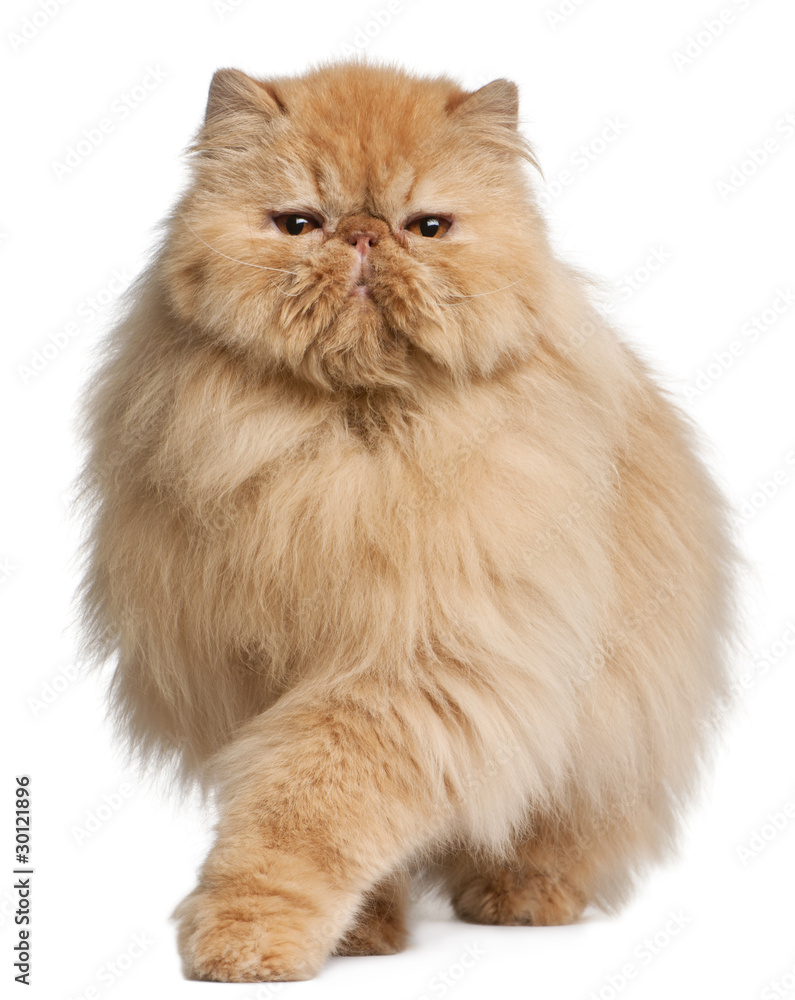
(286, 302)
(427, 583)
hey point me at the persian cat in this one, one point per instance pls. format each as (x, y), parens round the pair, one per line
(397, 549)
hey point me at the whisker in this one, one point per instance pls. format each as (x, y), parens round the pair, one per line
(247, 263)
(282, 270)
(491, 291)
(290, 295)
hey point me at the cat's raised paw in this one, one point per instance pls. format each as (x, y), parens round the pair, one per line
(228, 938)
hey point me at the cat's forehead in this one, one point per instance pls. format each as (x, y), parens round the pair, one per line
(342, 185)
(369, 143)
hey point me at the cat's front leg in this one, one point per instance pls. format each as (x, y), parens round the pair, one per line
(321, 797)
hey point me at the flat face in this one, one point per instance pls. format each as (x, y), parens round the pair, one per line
(348, 224)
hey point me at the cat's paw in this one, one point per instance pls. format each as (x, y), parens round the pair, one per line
(226, 937)
(375, 934)
(515, 899)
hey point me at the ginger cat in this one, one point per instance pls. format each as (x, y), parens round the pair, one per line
(396, 547)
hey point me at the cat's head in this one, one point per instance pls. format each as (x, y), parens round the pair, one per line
(358, 226)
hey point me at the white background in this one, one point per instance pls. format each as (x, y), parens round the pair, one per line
(654, 191)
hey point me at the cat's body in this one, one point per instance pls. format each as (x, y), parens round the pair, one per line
(415, 576)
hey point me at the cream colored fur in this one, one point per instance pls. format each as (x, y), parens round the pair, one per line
(431, 580)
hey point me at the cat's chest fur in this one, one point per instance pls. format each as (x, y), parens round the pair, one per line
(311, 520)
(382, 495)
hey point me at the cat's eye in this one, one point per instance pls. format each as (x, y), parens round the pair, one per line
(296, 223)
(431, 226)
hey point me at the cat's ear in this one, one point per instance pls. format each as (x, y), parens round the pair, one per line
(495, 104)
(233, 92)
(239, 110)
(492, 114)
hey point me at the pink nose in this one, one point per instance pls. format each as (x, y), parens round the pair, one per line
(362, 241)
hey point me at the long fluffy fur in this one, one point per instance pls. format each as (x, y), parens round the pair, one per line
(442, 571)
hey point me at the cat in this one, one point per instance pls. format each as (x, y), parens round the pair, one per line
(397, 548)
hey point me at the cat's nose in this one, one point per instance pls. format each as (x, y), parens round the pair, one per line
(362, 231)
(362, 240)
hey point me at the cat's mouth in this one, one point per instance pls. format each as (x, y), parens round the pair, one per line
(359, 273)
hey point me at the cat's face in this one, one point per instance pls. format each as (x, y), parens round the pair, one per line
(345, 225)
